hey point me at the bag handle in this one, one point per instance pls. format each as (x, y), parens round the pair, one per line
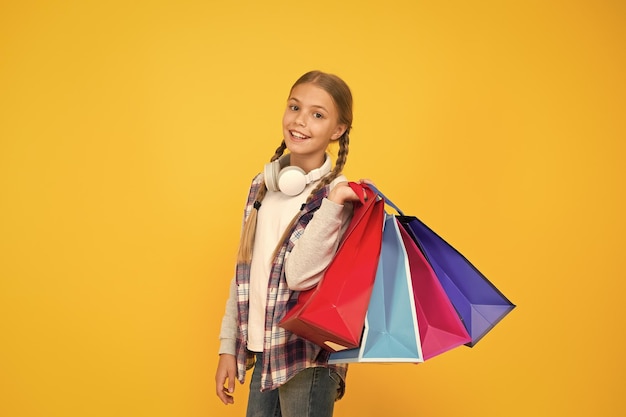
(359, 188)
(387, 201)
(367, 198)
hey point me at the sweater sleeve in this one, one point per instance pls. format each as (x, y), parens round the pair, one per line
(228, 331)
(315, 249)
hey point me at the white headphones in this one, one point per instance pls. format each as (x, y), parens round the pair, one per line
(292, 180)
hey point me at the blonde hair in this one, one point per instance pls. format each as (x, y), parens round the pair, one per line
(342, 97)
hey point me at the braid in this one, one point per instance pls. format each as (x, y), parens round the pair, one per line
(342, 157)
(279, 151)
(246, 244)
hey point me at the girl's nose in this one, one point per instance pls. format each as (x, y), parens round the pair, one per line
(300, 120)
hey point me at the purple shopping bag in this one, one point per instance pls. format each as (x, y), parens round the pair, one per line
(479, 303)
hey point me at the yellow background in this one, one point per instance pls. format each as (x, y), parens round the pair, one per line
(129, 132)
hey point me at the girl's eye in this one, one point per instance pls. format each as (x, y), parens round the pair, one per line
(318, 115)
(294, 107)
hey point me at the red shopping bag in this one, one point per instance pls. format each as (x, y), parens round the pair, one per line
(332, 314)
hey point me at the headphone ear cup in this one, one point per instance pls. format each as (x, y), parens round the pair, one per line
(271, 174)
(292, 180)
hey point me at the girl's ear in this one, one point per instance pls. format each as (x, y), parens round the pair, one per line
(338, 132)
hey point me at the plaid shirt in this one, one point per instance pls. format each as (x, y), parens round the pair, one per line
(284, 353)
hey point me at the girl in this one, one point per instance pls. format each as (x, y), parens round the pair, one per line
(296, 213)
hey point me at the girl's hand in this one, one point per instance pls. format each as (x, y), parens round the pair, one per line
(226, 373)
(342, 192)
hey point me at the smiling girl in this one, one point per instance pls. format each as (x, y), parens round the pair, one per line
(296, 213)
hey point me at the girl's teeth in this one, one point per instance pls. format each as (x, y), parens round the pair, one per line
(297, 135)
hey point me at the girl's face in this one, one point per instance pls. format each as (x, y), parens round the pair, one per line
(310, 123)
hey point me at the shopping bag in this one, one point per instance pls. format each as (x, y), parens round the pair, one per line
(391, 331)
(332, 314)
(441, 329)
(477, 301)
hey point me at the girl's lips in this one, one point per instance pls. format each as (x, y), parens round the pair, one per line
(297, 135)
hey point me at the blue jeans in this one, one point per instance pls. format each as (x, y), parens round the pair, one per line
(311, 393)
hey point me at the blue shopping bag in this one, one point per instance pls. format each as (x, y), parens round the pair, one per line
(391, 332)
